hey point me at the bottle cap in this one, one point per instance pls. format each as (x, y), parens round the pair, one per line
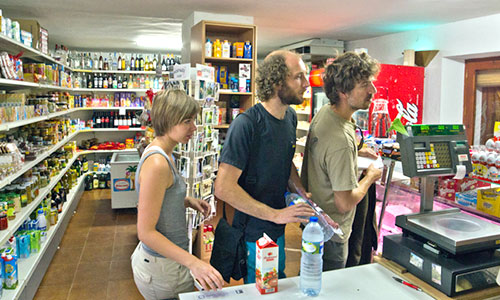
(313, 219)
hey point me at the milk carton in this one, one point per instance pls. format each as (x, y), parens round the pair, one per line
(266, 265)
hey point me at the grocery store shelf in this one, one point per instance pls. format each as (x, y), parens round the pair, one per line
(85, 152)
(119, 72)
(110, 108)
(17, 83)
(230, 59)
(229, 92)
(54, 87)
(28, 165)
(11, 125)
(14, 47)
(26, 211)
(27, 266)
(111, 130)
(112, 90)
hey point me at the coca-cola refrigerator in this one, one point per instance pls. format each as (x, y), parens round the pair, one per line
(400, 91)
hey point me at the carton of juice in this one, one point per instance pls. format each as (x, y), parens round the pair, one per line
(266, 265)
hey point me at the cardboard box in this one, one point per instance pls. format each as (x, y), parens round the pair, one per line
(488, 201)
(266, 265)
(38, 34)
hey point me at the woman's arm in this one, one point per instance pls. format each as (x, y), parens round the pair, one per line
(155, 177)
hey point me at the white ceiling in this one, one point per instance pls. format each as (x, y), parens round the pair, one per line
(117, 24)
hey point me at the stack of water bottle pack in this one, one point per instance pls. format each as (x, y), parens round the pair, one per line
(26, 241)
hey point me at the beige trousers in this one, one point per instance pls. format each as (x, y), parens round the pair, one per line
(159, 277)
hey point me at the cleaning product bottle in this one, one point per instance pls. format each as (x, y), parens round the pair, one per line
(226, 49)
(217, 48)
(247, 50)
(208, 48)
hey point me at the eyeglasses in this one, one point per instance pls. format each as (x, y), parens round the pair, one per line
(361, 140)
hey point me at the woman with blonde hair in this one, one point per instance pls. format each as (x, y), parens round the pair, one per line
(161, 262)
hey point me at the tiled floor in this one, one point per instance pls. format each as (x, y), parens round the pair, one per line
(93, 261)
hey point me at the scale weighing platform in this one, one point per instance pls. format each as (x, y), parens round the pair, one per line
(454, 252)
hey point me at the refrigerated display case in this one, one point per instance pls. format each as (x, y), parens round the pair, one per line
(123, 169)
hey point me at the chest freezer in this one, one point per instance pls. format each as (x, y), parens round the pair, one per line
(123, 172)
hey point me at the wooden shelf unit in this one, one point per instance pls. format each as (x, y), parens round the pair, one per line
(232, 32)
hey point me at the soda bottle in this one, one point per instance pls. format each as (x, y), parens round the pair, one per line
(311, 261)
(328, 231)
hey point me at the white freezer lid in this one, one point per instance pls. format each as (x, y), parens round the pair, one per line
(126, 157)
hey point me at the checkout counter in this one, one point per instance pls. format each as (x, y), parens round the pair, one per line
(446, 252)
(453, 252)
(373, 282)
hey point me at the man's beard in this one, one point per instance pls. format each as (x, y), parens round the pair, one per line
(288, 97)
(364, 106)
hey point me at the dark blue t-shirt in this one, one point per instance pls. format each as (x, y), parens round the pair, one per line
(266, 177)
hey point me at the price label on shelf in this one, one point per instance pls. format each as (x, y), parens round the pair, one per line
(122, 111)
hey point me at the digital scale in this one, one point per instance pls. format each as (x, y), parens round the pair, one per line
(452, 251)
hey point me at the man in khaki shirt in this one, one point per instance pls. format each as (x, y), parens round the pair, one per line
(330, 170)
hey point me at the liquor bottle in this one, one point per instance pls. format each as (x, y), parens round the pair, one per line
(85, 165)
(100, 63)
(119, 82)
(124, 64)
(132, 63)
(129, 120)
(100, 81)
(113, 61)
(90, 81)
(106, 64)
(105, 82)
(111, 120)
(147, 82)
(146, 64)
(124, 82)
(137, 63)
(106, 121)
(142, 82)
(90, 62)
(163, 65)
(99, 121)
(96, 81)
(130, 82)
(119, 63)
(134, 120)
(155, 63)
(110, 81)
(116, 120)
(115, 82)
(151, 68)
(141, 64)
(84, 81)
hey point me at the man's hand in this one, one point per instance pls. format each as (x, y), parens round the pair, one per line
(368, 152)
(373, 173)
(292, 214)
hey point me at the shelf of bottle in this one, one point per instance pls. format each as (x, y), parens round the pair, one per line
(229, 92)
(27, 266)
(120, 72)
(28, 165)
(228, 59)
(110, 108)
(111, 129)
(83, 90)
(20, 84)
(221, 126)
(11, 125)
(14, 47)
(26, 211)
(85, 152)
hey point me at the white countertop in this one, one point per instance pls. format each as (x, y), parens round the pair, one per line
(370, 282)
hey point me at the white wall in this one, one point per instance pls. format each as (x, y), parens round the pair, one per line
(198, 16)
(444, 76)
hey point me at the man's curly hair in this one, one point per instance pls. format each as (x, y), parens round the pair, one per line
(346, 70)
(272, 72)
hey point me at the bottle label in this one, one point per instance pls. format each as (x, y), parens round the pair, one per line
(312, 247)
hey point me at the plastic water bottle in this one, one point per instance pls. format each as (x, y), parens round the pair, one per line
(311, 262)
(42, 221)
(292, 199)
